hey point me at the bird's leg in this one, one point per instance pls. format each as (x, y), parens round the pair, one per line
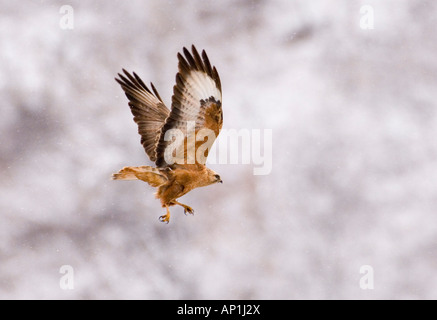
(165, 217)
(186, 208)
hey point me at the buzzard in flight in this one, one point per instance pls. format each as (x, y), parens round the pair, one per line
(177, 140)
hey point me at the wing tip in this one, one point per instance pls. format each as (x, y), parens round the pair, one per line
(189, 61)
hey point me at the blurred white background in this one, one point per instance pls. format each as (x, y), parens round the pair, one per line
(354, 122)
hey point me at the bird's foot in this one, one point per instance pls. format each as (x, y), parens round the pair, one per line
(165, 217)
(188, 209)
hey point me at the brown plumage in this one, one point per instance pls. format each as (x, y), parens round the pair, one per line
(178, 141)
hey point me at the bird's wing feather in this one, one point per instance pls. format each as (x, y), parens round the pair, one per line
(147, 108)
(196, 112)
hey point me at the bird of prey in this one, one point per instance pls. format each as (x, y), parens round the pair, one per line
(177, 140)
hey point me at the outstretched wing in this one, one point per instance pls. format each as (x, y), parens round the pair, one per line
(147, 108)
(196, 116)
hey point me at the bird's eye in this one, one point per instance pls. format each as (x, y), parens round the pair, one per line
(217, 177)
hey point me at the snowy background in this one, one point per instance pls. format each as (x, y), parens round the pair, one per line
(354, 179)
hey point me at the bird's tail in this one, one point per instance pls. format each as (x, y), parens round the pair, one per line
(127, 173)
(151, 175)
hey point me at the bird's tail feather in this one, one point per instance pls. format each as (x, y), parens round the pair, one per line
(145, 173)
(127, 173)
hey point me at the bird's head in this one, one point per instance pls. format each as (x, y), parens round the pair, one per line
(213, 177)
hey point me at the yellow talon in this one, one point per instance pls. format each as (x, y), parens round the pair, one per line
(165, 217)
(186, 208)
